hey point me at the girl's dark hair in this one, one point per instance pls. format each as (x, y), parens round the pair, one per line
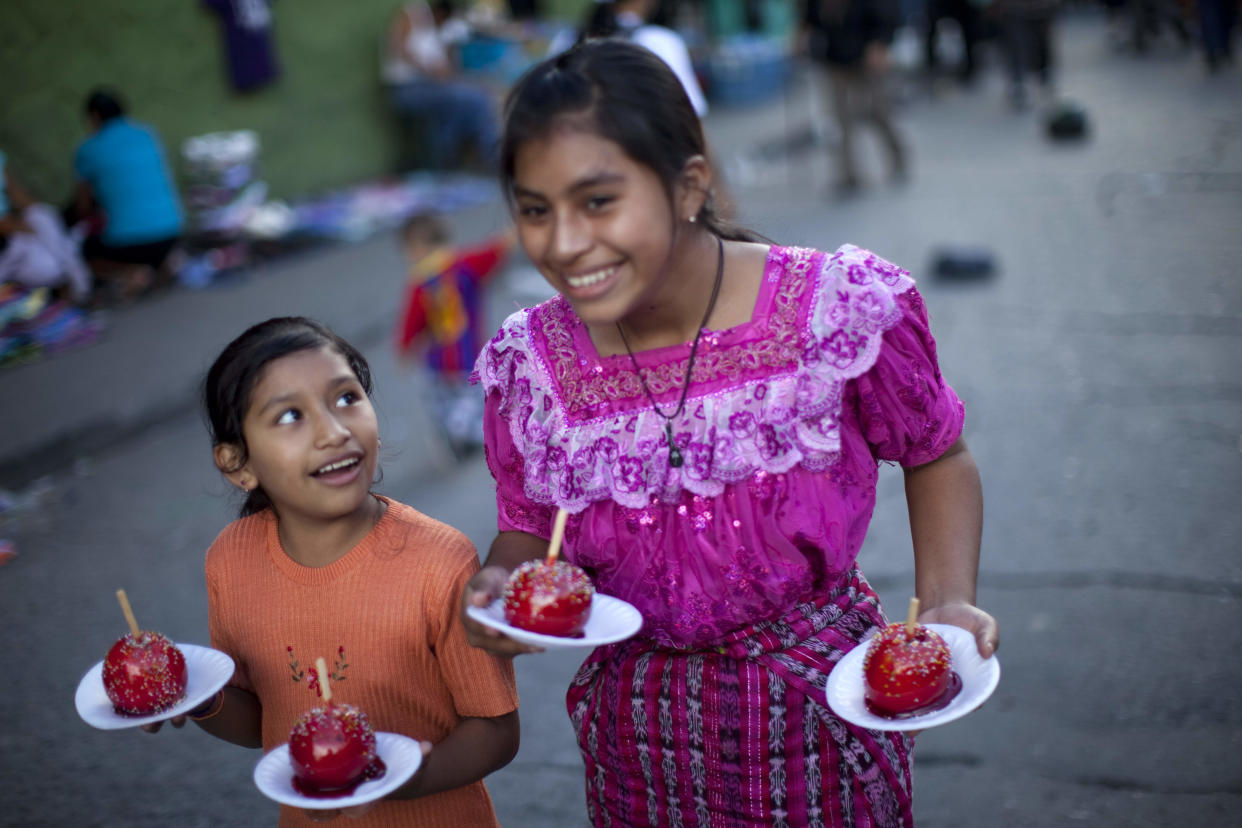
(621, 92)
(230, 381)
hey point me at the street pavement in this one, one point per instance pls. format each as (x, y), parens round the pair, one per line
(1100, 369)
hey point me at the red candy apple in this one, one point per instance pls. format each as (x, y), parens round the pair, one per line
(332, 748)
(908, 669)
(144, 674)
(549, 598)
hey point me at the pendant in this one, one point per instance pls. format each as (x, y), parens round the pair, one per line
(674, 454)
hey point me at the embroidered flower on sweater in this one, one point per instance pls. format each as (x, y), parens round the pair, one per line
(311, 675)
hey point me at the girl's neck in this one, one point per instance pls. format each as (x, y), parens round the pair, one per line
(316, 543)
(671, 315)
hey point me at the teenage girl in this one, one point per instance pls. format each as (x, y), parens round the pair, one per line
(711, 409)
(318, 565)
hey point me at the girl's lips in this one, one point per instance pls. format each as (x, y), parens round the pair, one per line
(339, 472)
(591, 284)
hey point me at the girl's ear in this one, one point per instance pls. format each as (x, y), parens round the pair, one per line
(228, 459)
(693, 188)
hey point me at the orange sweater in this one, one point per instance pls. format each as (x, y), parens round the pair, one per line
(384, 616)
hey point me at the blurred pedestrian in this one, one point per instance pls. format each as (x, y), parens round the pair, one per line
(852, 38)
(632, 20)
(969, 21)
(35, 248)
(124, 183)
(711, 410)
(1217, 21)
(1025, 29)
(320, 566)
(424, 83)
(443, 316)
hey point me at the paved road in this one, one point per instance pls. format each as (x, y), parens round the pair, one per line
(1100, 369)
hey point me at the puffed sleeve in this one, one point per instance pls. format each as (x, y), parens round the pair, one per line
(908, 413)
(515, 512)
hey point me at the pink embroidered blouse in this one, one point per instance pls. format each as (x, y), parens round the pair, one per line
(786, 422)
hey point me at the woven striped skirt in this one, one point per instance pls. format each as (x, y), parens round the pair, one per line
(739, 735)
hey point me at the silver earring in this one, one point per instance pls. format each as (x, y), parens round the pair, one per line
(692, 219)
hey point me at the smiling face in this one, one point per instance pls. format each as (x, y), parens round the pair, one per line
(600, 227)
(312, 438)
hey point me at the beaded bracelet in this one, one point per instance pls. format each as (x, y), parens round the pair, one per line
(209, 708)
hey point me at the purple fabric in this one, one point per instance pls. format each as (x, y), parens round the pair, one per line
(787, 420)
(247, 28)
(739, 735)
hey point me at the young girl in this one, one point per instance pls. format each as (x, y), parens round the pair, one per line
(319, 566)
(712, 411)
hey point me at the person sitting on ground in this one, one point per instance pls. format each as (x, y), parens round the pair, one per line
(35, 249)
(422, 83)
(122, 173)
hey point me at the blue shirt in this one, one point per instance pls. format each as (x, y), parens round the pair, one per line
(124, 164)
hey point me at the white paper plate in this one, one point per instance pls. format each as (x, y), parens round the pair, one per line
(207, 670)
(401, 754)
(979, 679)
(611, 620)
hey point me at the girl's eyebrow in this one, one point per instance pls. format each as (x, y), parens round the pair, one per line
(282, 399)
(275, 401)
(585, 183)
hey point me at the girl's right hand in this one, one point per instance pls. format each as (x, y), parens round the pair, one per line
(154, 727)
(481, 591)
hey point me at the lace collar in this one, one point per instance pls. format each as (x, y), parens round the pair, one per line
(766, 394)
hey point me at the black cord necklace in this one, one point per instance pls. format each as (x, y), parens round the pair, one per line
(674, 453)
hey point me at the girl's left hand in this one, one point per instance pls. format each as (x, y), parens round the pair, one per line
(968, 617)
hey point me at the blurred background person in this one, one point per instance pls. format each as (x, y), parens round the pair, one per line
(424, 84)
(35, 249)
(634, 20)
(966, 14)
(851, 38)
(443, 316)
(125, 194)
(1217, 21)
(1025, 31)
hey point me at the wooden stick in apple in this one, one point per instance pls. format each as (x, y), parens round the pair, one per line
(325, 689)
(332, 747)
(551, 597)
(558, 535)
(912, 615)
(129, 614)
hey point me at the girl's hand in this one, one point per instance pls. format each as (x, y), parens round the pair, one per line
(154, 727)
(968, 617)
(480, 591)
